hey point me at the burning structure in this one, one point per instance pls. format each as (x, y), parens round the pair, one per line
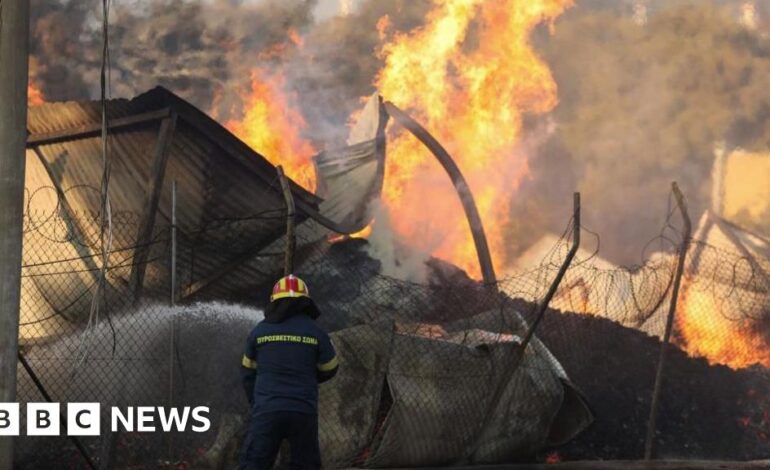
(230, 232)
(392, 343)
(725, 297)
(408, 384)
(155, 139)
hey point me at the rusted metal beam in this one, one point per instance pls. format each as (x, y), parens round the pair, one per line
(154, 187)
(90, 130)
(291, 239)
(463, 190)
(650, 440)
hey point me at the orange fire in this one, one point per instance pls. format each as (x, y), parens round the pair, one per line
(471, 90)
(363, 233)
(272, 126)
(708, 331)
(34, 94)
(469, 86)
(383, 25)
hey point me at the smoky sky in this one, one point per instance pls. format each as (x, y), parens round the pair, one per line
(194, 48)
(646, 88)
(643, 104)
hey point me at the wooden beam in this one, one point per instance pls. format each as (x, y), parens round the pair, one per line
(461, 186)
(90, 130)
(154, 187)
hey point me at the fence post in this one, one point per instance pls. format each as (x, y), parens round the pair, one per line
(172, 345)
(521, 349)
(14, 60)
(559, 275)
(291, 241)
(173, 243)
(648, 444)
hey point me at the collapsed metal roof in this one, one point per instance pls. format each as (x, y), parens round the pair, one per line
(155, 139)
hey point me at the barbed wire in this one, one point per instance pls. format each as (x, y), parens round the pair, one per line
(429, 321)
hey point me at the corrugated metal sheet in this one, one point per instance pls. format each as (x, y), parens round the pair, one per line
(218, 177)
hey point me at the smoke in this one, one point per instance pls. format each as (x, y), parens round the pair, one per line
(397, 260)
(194, 48)
(205, 50)
(646, 88)
(339, 59)
(641, 105)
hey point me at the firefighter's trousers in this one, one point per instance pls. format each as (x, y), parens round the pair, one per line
(268, 430)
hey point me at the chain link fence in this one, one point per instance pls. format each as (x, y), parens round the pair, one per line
(431, 374)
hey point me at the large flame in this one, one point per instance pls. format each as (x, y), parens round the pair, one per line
(469, 76)
(273, 127)
(708, 330)
(725, 322)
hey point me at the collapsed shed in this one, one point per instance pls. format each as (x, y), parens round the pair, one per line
(155, 139)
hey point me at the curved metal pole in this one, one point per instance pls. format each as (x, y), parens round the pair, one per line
(463, 190)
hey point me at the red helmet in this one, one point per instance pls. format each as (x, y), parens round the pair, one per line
(289, 286)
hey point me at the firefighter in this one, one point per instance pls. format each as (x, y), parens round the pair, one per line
(287, 355)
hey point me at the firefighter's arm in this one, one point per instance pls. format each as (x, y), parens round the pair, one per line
(249, 367)
(327, 359)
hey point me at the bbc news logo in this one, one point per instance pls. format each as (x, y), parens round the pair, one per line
(84, 419)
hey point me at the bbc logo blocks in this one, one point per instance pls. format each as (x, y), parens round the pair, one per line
(83, 419)
(44, 419)
(9, 419)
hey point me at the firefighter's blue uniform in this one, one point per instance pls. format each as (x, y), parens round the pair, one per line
(286, 356)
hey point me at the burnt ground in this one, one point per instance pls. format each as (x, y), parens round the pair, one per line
(706, 412)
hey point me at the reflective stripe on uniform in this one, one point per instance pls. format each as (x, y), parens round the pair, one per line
(248, 363)
(327, 366)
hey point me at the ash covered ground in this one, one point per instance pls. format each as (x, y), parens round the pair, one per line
(706, 411)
